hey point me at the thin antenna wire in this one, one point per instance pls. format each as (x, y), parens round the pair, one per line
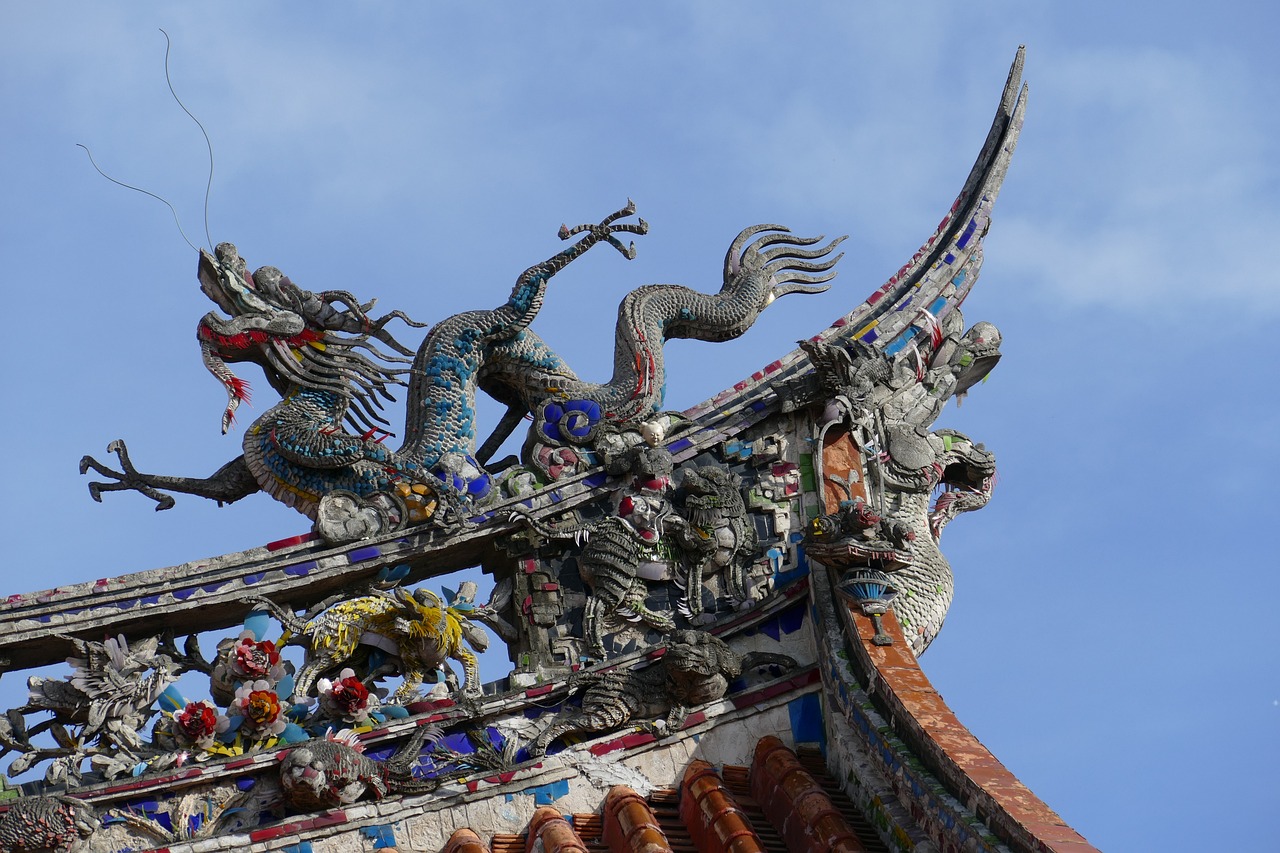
(208, 186)
(141, 190)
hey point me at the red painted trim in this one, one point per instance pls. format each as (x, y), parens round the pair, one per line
(924, 720)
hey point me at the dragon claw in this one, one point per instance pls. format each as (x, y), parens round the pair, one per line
(603, 231)
(126, 480)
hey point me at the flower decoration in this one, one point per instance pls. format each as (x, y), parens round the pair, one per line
(346, 698)
(572, 421)
(259, 710)
(253, 659)
(196, 724)
(558, 461)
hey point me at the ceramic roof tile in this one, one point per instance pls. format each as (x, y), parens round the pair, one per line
(713, 817)
(630, 825)
(796, 804)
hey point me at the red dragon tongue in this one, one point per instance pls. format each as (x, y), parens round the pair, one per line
(237, 388)
(237, 392)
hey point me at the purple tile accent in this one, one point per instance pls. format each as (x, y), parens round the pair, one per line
(362, 554)
(300, 569)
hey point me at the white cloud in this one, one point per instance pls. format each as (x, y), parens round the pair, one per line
(1150, 175)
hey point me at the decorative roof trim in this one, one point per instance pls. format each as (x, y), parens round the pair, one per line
(923, 720)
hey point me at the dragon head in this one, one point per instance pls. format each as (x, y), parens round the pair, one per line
(300, 339)
(980, 350)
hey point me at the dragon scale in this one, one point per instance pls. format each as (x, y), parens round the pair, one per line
(312, 347)
(525, 366)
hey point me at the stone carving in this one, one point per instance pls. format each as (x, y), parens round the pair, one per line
(695, 670)
(645, 541)
(723, 540)
(333, 771)
(190, 816)
(50, 824)
(887, 406)
(618, 552)
(414, 633)
(328, 360)
(97, 712)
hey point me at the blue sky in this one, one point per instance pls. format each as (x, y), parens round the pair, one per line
(1113, 638)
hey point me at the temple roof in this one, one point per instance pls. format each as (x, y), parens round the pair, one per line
(785, 801)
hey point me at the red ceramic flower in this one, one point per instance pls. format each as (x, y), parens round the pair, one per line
(255, 659)
(196, 723)
(350, 695)
(346, 698)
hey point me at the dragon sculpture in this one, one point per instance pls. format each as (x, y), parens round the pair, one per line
(892, 405)
(329, 362)
(696, 669)
(329, 772)
(49, 824)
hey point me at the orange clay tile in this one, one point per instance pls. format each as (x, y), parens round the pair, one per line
(549, 832)
(714, 820)
(465, 841)
(924, 719)
(505, 842)
(796, 804)
(630, 826)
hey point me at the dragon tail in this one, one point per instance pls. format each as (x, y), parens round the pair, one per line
(400, 766)
(292, 624)
(755, 660)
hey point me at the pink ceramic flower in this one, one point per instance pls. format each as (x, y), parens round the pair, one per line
(254, 659)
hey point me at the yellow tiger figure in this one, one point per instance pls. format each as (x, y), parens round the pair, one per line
(414, 628)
